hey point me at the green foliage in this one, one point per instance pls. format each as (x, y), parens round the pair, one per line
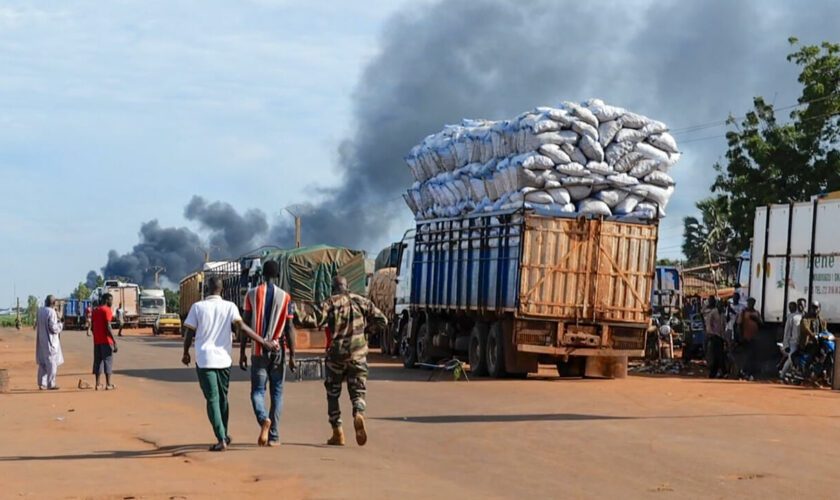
(82, 292)
(173, 300)
(31, 309)
(709, 239)
(772, 162)
(100, 281)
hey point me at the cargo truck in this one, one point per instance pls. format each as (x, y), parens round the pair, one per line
(794, 254)
(75, 317)
(512, 290)
(126, 295)
(152, 305)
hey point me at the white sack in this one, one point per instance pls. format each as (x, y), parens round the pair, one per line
(627, 205)
(600, 168)
(611, 197)
(560, 195)
(594, 207)
(659, 178)
(573, 169)
(591, 148)
(539, 197)
(553, 151)
(584, 128)
(607, 131)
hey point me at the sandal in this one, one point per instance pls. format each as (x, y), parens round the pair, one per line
(110, 387)
(100, 387)
(220, 446)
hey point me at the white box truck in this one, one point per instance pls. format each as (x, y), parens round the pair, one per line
(795, 254)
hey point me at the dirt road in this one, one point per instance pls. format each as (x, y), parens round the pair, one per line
(543, 438)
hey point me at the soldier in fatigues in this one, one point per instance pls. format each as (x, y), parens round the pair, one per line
(346, 315)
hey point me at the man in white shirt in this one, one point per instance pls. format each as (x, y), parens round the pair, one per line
(212, 321)
(790, 342)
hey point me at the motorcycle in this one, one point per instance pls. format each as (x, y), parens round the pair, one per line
(815, 363)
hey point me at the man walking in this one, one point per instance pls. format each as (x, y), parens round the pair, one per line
(120, 319)
(211, 321)
(790, 341)
(48, 353)
(269, 312)
(346, 315)
(714, 338)
(104, 344)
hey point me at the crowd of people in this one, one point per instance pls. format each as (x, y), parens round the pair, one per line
(731, 335)
(267, 325)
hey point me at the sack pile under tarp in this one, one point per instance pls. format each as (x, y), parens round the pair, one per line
(587, 158)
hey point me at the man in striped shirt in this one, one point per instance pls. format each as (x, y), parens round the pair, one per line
(269, 311)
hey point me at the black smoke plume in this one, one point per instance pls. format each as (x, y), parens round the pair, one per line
(684, 63)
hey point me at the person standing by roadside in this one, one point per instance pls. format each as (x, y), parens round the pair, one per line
(48, 352)
(104, 344)
(790, 341)
(748, 323)
(88, 317)
(269, 311)
(212, 322)
(346, 315)
(714, 338)
(120, 319)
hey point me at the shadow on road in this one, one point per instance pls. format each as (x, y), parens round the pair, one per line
(182, 374)
(569, 417)
(161, 452)
(532, 417)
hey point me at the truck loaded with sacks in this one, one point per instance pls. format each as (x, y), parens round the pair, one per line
(535, 242)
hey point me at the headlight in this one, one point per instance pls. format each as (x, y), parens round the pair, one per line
(665, 330)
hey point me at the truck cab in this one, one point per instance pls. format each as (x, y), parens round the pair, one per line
(152, 305)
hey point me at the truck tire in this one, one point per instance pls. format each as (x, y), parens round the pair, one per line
(496, 351)
(408, 351)
(574, 367)
(385, 341)
(477, 352)
(423, 344)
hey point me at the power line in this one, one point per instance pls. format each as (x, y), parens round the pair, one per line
(718, 123)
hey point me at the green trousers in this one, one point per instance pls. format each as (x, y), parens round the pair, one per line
(214, 384)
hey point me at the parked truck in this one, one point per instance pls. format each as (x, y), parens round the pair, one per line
(75, 314)
(152, 305)
(512, 290)
(126, 296)
(794, 254)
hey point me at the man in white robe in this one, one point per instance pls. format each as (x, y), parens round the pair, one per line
(48, 353)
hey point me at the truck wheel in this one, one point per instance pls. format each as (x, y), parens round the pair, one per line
(574, 367)
(408, 351)
(385, 341)
(496, 351)
(478, 350)
(423, 346)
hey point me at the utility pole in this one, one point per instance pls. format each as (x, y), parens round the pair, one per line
(295, 212)
(206, 252)
(157, 270)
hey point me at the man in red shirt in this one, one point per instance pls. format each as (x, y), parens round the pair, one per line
(104, 345)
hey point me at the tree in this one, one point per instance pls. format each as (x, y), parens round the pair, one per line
(173, 300)
(31, 309)
(709, 239)
(772, 162)
(82, 292)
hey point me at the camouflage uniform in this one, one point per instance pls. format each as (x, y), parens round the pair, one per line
(346, 316)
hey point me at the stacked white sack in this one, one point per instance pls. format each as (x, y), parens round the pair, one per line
(588, 158)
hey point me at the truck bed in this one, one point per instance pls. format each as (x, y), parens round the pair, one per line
(533, 266)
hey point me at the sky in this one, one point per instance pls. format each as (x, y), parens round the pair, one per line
(115, 114)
